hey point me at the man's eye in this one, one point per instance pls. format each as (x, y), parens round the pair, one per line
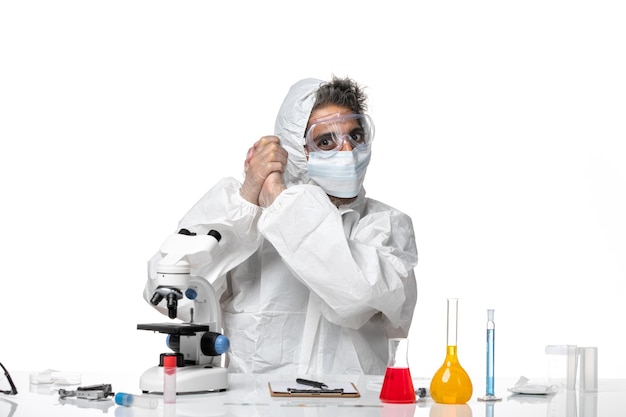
(325, 142)
(358, 135)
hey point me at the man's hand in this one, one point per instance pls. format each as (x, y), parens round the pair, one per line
(272, 187)
(263, 168)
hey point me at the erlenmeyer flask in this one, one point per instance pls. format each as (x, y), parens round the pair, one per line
(451, 384)
(398, 384)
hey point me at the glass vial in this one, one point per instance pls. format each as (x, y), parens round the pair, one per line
(451, 384)
(398, 384)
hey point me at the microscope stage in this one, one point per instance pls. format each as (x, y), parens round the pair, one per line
(182, 329)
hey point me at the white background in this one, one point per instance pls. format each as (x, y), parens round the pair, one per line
(500, 131)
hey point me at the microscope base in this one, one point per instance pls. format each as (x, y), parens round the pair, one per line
(189, 379)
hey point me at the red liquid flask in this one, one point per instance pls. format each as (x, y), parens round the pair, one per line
(398, 384)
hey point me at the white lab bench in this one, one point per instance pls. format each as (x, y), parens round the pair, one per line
(249, 395)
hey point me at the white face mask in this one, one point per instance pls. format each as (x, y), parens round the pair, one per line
(342, 174)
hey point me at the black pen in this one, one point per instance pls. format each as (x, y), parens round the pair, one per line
(311, 383)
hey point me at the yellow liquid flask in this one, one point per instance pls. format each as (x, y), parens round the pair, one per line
(451, 384)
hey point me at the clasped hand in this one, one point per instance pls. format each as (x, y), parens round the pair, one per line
(263, 168)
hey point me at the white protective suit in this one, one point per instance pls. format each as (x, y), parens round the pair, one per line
(305, 287)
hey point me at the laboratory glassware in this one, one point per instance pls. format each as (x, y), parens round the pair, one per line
(451, 384)
(398, 384)
(562, 365)
(490, 394)
(588, 369)
(491, 328)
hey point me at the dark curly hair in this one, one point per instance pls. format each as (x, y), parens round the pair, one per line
(341, 92)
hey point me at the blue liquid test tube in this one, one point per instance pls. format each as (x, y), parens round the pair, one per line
(491, 330)
(490, 394)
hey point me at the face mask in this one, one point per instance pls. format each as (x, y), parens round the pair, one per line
(342, 174)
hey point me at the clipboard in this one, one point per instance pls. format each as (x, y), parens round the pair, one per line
(293, 389)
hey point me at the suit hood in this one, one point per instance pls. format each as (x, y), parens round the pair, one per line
(290, 127)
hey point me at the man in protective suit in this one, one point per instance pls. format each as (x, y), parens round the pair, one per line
(313, 277)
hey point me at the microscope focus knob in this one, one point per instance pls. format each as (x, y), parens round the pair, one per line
(214, 344)
(191, 294)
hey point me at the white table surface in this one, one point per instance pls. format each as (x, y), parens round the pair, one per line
(248, 395)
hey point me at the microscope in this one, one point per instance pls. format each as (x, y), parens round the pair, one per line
(196, 344)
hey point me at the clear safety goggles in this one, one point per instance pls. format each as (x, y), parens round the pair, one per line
(328, 134)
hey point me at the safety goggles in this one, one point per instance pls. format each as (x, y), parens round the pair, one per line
(328, 134)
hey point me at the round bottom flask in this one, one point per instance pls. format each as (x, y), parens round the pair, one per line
(451, 384)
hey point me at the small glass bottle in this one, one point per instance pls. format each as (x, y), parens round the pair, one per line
(451, 384)
(398, 384)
